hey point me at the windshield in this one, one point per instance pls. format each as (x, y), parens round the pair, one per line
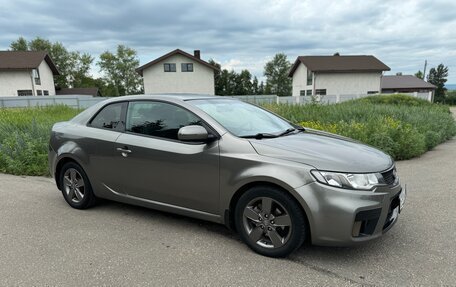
(242, 119)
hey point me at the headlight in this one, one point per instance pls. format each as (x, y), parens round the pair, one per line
(363, 181)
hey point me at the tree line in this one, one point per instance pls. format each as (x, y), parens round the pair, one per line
(119, 77)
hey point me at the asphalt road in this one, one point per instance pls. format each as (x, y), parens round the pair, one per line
(45, 242)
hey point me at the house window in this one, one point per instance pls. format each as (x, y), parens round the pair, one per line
(321, 92)
(372, 92)
(36, 76)
(169, 67)
(21, 93)
(309, 77)
(302, 92)
(187, 67)
(46, 92)
(309, 93)
(39, 92)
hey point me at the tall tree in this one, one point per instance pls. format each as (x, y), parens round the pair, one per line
(438, 77)
(119, 70)
(261, 89)
(19, 45)
(276, 72)
(419, 74)
(255, 88)
(104, 88)
(71, 65)
(217, 77)
(244, 83)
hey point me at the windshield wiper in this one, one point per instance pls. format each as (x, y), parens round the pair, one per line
(290, 130)
(259, 136)
(287, 131)
(268, 135)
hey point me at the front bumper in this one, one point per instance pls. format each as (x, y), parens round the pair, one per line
(341, 217)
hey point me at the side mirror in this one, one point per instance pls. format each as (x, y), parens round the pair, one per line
(193, 134)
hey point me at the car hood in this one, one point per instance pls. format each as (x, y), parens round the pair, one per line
(324, 151)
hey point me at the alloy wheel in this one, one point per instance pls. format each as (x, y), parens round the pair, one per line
(74, 185)
(267, 222)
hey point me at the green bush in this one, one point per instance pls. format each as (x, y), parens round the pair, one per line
(396, 99)
(24, 138)
(402, 126)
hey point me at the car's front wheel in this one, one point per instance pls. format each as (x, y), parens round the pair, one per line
(75, 186)
(270, 221)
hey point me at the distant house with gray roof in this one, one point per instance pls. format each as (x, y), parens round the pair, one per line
(94, 92)
(405, 84)
(26, 73)
(337, 75)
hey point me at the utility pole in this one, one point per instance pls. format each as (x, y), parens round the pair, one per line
(424, 70)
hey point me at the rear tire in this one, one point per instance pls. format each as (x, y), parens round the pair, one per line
(270, 221)
(75, 186)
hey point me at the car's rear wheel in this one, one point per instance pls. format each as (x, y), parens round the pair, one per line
(75, 186)
(270, 221)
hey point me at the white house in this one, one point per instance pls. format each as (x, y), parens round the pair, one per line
(178, 72)
(26, 74)
(336, 75)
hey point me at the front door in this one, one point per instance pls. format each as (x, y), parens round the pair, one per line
(159, 167)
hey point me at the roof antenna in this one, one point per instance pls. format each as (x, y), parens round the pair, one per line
(424, 73)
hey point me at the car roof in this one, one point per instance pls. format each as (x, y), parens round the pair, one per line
(182, 97)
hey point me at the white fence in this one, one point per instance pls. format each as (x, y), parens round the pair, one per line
(258, 99)
(333, 99)
(82, 102)
(74, 101)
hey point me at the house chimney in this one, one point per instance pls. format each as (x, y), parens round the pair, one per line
(399, 74)
(197, 54)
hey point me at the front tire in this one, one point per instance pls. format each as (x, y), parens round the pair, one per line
(270, 221)
(75, 186)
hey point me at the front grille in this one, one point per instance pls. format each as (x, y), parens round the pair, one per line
(389, 176)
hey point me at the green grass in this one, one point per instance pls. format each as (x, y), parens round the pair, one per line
(24, 137)
(402, 126)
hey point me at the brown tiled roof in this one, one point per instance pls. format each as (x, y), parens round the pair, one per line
(18, 60)
(404, 82)
(172, 53)
(361, 63)
(78, 91)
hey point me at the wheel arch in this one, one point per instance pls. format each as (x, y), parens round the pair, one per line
(229, 213)
(58, 168)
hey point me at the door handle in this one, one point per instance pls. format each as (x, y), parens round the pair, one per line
(124, 151)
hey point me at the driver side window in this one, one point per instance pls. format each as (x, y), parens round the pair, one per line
(158, 119)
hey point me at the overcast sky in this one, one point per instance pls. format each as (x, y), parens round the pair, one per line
(242, 33)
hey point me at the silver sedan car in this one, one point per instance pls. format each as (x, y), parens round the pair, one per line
(226, 161)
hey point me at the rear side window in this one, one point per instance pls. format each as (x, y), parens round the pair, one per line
(109, 117)
(158, 119)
